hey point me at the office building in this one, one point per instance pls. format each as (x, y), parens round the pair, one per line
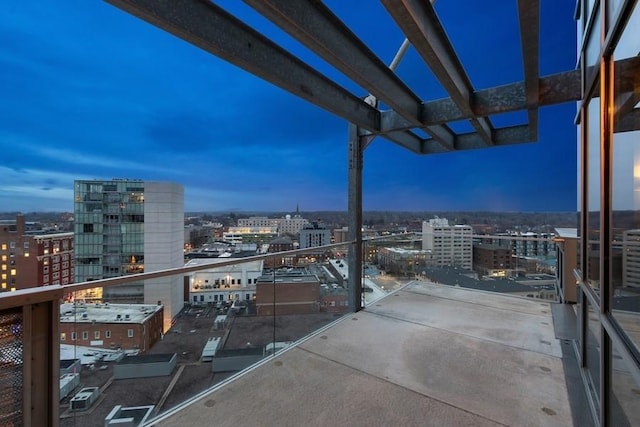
(314, 234)
(224, 283)
(451, 245)
(285, 225)
(124, 227)
(31, 258)
(631, 259)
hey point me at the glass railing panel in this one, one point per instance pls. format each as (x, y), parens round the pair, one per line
(195, 329)
(520, 265)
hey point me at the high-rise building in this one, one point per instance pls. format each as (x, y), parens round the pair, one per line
(315, 234)
(451, 244)
(127, 226)
(33, 258)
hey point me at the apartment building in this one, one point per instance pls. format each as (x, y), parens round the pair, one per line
(33, 258)
(126, 226)
(451, 244)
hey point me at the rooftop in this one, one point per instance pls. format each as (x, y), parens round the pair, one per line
(425, 355)
(106, 313)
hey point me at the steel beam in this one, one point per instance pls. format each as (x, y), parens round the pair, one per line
(422, 27)
(317, 27)
(529, 17)
(554, 89)
(212, 29)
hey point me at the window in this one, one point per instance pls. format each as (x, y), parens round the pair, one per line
(96, 335)
(74, 336)
(4, 246)
(87, 228)
(107, 334)
(130, 333)
(85, 335)
(63, 336)
(12, 245)
(13, 271)
(26, 244)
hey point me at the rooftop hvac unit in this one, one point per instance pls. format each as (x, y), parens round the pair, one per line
(84, 398)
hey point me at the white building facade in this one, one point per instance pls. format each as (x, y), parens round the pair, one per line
(451, 245)
(226, 283)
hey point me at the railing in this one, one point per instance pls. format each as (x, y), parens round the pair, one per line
(200, 335)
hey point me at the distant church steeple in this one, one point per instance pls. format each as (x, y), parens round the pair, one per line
(297, 208)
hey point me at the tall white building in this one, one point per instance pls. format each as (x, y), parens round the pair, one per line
(127, 226)
(631, 258)
(452, 245)
(314, 234)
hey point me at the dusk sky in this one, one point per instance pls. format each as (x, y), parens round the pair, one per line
(89, 91)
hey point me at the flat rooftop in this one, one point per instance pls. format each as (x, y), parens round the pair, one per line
(106, 313)
(424, 355)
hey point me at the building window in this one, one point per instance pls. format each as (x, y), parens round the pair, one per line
(4, 246)
(107, 334)
(12, 245)
(87, 228)
(130, 333)
(13, 271)
(63, 336)
(74, 336)
(96, 335)
(85, 335)
(26, 244)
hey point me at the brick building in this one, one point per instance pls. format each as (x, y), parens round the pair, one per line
(31, 258)
(125, 326)
(295, 293)
(492, 259)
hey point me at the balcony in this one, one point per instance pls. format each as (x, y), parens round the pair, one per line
(424, 355)
(435, 354)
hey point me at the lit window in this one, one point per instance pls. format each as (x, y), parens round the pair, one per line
(130, 333)
(13, 271)
(63, 336)
(4, 285)
(4, 246)
(4, 257)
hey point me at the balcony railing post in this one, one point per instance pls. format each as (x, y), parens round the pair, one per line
(41, 363)
(356, 149)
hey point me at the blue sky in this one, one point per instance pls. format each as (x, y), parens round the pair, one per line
(89, 91)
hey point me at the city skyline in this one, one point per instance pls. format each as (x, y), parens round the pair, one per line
(92, 92)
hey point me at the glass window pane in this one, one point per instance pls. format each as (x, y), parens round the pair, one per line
(625, 392)
(592, 50)
(625, 264)
(592, 337)
(592, 272)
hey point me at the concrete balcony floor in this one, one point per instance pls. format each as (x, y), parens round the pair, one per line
(426, 355)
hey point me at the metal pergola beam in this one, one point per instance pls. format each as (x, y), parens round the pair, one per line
(212, 29)
(318, 28)
(421, 25)
(529, 18)
(554, 89)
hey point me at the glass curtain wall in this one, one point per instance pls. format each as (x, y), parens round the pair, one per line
(609, 300)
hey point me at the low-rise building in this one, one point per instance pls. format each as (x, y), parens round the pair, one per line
(289, 291)
(111, 326)
(224, 283)
(492, 259)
